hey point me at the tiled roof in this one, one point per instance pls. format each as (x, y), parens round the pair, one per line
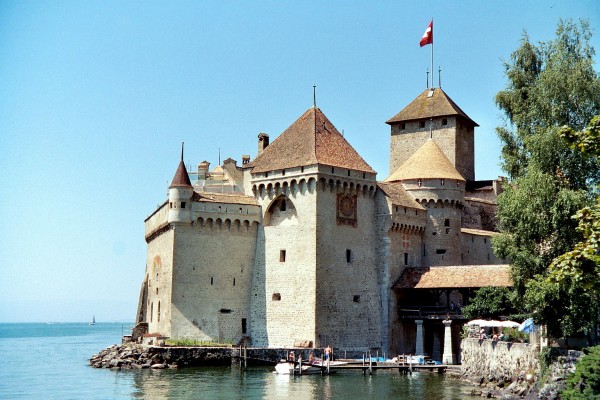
(398, 196)
(426, 163)
(439, 104)
(311, 139)
(478, 232)
(181, 179)
(466, 276)
(232, 198)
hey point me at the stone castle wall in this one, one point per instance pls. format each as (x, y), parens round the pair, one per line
(212, 277)
(159, 275)
(348, 280)
(497, 361)
(477, 250)
(284, 282)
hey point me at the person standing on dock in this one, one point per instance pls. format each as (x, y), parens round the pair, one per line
(328, 353)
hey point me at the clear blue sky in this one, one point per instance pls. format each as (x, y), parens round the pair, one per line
(96, 97)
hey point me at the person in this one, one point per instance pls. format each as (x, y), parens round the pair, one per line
(327, 353)
(452, 306)
(501, 336)
(311, 358)
(291, 356)
(482, 333)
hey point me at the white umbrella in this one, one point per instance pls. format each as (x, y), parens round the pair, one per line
(509, 324)
(484, 323)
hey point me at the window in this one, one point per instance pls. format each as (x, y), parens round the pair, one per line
(151, 311)
(484, 240)
(170, 204)
(266, 174)
(276, 297)
(405, 258)
(421, 124)
(233, 281)
(419, 182)
(447, 231)
(444, 121)
(402, 126)
(156, 290)
(364, 175)
(183, 204)
(211, 280)
(283, 172)
(447, 222)
(301, 169)
(348, 256)
(158, 313)
(348, 172)
(244, 326)
(356, 298)
(281, 255)
(443, 182)
(225, 311)
(332, 170)
(440, 251)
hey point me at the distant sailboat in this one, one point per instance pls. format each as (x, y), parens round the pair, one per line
(93, 320)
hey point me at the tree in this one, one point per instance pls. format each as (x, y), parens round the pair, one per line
(491, 302)
(550, 86)
(584, 383)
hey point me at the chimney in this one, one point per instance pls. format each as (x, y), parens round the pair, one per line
(245, 159)
(203, 170)
(263, 142)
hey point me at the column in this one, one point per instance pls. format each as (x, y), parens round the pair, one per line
(448, 357)
(419, 347)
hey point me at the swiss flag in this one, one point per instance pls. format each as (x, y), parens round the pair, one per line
(427, 36)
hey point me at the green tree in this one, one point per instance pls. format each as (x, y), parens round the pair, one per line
(491, 302)
(584, 383)
(550, 85)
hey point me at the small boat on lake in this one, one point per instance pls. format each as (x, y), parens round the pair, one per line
(93, 321)
(316, 367)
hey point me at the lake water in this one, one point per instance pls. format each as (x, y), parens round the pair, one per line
(50, 361)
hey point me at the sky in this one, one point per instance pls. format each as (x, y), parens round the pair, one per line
(97, 96)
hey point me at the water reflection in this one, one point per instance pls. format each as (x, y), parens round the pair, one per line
(262, 383)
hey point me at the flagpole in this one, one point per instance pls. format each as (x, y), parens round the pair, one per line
(432, 85)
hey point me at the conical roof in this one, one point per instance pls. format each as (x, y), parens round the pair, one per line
(311, 139)
(432, 103)
(429, 162)
(181, 178)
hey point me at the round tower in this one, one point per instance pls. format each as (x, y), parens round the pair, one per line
(180, 195)
(429, 176)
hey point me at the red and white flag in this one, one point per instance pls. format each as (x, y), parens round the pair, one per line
(427, 36)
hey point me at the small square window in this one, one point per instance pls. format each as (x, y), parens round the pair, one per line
(402, 126)
(445, 121)
(183, 204)
(421, 124)
(281, 255)
(348, 256)
(356, 298)
(276, 297)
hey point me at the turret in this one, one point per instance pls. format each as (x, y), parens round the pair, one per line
(180, 195)
(429, 177)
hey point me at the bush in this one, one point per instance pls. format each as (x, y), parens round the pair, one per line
(584, 383)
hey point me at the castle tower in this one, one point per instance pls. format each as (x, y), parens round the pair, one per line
(429, 176)
(314, 281)
(180, 195)
(433, 111)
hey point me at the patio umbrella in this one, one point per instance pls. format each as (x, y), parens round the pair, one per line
(509, 324)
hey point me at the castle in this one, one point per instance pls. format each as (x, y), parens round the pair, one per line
(302, 246)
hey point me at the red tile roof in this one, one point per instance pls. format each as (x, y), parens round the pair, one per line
(439, 104)
(428, 162)
(181, 179)
(311, 139)
(466, 276)
(396, 193)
